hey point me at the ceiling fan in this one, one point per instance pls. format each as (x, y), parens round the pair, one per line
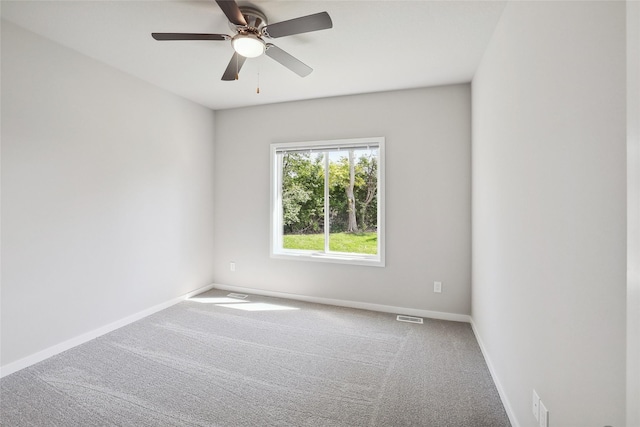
(251, 30)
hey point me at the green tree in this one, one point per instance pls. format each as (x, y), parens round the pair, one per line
(349, 180)
(352, 192)
(352, 225)
(302, 193)
(367, 191)
(338, 181)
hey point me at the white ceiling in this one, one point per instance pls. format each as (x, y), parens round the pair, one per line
(373, 45)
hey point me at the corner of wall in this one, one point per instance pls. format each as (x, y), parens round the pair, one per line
(633, 212)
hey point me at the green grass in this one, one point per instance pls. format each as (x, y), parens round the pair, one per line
(361, 243)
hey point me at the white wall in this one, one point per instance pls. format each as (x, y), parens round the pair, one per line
(107, 194)
(633, 213)
(427, 197)
(549, 209)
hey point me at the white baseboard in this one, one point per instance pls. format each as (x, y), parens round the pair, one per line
(496, 380)
(88, 336)
(352, 304)
(81, 339)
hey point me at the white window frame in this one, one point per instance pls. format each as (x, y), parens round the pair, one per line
(277, 251)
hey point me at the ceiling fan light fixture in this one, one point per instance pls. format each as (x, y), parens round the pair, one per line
(248, 45)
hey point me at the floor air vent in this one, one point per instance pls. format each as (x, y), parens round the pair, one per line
(241, 296)
(409, 319)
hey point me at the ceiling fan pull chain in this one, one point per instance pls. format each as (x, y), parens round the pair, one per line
(258, 88)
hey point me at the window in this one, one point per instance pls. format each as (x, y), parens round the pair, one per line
(327, 201)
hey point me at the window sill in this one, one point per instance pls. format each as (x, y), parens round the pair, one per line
(336, 258)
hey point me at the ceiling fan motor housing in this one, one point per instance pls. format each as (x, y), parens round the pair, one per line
(256, 20)
(248, 41)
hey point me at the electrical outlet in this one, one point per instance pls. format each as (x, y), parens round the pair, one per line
(544, 415)
(437, 287)
(232, 266)
(535, 405)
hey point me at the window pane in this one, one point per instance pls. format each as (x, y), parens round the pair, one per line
(303, 201)
(328, 201)
(353, 210)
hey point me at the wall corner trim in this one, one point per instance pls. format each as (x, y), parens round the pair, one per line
(503, 395)
(32, 359)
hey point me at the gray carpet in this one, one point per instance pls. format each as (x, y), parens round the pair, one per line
(203, 364)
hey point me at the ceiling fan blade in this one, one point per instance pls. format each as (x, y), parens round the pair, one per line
(233, 69)
(189, 36)
(304, 24)
(288, 61)
(232, 11)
